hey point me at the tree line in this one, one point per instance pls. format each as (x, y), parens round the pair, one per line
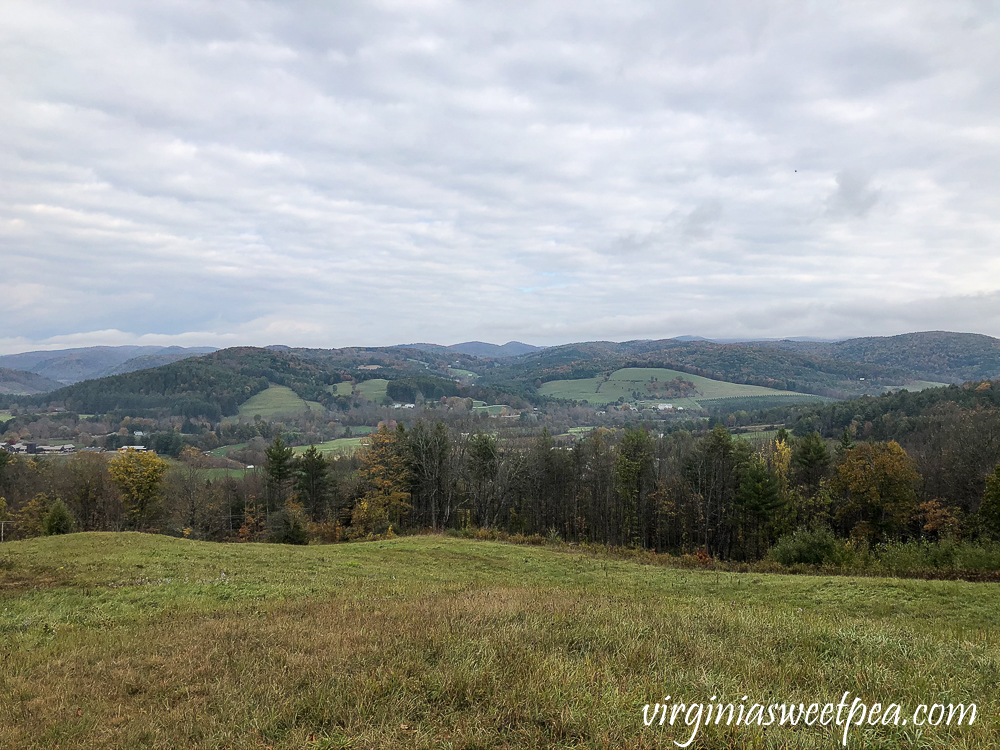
(708, 493)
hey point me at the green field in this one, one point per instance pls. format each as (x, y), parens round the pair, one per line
(139, 641)
(340, 446)
(212, 473)
(373, 390)
(343, 446)
(916, 385)
(344, 388)
(5, 416)
(758, 435)
(223, 450)
(622, 384)
(467, 376)
(494, 410)
(277, 399)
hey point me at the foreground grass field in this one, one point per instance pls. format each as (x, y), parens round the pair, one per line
(135, 641)
(623, 383)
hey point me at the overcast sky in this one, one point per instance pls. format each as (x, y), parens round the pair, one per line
(332, 174)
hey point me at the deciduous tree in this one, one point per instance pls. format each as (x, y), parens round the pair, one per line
(878, 483)
(139, 477)
(383, 480)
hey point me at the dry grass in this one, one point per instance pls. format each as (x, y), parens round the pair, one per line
(441, 643)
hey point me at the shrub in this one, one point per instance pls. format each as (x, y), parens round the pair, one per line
(807, 546)
(58, 520)
(287, 526)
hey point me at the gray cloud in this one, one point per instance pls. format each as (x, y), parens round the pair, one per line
(854, 195)
(346, 173)
(701, 220)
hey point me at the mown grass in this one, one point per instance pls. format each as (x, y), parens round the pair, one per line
(5, 416)
(277, 399)
(373, 390)
(917, 385)
(132, 641)
(344, 388)
(340, 446)
(494, 410)
(623, 383)
(223, 450)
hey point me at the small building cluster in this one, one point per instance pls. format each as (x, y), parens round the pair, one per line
(33, 449)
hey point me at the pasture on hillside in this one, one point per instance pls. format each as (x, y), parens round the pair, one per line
(916, 385)
(626, 382)
(206, 472)
(346, 446)
(125, 640)
(344, 388)
(373, 390)
(223, 450)
(494, 410)
(277, 400)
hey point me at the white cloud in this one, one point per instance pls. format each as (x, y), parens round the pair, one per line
(265, 172)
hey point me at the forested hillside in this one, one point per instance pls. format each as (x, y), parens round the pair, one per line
(736, 363)
(209, 386)
(926, 471)
(218, 383)
(68, 366)
(18, 382)
(930, 355)
(214, 385)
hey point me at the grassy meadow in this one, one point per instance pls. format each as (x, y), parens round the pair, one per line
(277, 399)
(623, 383)
(917, 385)
(223, 450)
(212, 473)
(494, 410)
(139, 641)
(373, 390)
(341, 446)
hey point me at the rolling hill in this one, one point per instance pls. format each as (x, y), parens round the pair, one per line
(653, 386)
(217, 384)
(930, 355)
(480, 349)
(22, 382)
(68, 366)
(211, 386)
(843, 369)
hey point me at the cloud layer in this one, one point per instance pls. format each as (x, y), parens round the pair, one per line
(330, 174)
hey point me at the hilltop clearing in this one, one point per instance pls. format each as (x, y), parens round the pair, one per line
(649, 386)
(135, 641)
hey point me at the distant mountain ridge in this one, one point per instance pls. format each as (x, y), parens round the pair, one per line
(928, 355)
(24, 383)
(480, 348)
(216, 384)
(840, 369)
(68, 366)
